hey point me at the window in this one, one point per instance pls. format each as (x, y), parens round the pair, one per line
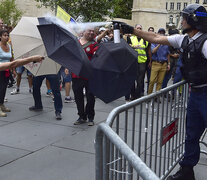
(172, 6)
(204, 1)
(197, 1)
(178, 6)
(166, 5)
(177, 19)
(185, 4)
(171, 19)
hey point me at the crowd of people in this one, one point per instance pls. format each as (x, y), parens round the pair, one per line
(158, 58)
(152, 59)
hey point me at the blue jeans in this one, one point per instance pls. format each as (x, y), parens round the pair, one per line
(166, 79)
(55, 86)
(196, 123)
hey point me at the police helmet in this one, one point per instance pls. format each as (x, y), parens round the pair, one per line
(196, 16)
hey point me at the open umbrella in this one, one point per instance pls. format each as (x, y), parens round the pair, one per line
(26, 41)
(64, 48)
(114, 68)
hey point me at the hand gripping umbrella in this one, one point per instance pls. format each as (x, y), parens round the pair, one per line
(64, 48)
(114, 68)
(26, 41)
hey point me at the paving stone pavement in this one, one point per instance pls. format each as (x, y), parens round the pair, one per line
(35, 146)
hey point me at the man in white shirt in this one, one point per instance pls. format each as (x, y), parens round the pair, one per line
(193, 43)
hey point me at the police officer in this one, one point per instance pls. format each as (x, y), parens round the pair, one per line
(193, 42)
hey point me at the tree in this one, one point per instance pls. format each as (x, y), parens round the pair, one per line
(92, 10)
(9, 12)
(122, 9)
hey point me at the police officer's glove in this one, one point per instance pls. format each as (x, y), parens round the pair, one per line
(127, 29)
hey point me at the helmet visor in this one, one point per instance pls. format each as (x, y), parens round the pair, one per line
(184, 15)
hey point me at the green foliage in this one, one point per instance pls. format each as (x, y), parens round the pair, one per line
(9, 12)
(123, 9)
(92, 10)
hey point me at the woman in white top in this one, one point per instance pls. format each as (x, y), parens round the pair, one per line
(5, 56)
(5, 65)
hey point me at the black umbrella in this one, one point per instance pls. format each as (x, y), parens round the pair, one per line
(64, 48)
(114, 69)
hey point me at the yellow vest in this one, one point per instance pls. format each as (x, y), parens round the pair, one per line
(142, 55)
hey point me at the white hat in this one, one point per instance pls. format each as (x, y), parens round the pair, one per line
(102, 29)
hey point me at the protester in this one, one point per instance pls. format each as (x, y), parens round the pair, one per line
(174, 55)
(20, 62)
(131, 95)
(1, 24)
(5, 56)
(55, 86)
(149, 59)
(103, 35)
(49, 90)
(19, 71)
(160, 63)
(194, 45)
(79, 83)
(67, 79)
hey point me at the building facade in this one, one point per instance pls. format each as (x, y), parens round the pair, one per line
(30, 8)
(160, 13)
(156, 13)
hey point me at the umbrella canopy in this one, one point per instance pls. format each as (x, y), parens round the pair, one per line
(26, 41)
(114, 68)
(64, 48)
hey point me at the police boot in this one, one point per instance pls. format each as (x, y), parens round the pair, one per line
(185, 173)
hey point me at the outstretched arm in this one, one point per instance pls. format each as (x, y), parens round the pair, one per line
(20, 62)
(148, 36)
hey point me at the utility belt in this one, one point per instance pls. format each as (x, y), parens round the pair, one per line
(199, 89)
(161, 62)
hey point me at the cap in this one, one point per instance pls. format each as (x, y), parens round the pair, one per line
(102, 29)
(161, 30)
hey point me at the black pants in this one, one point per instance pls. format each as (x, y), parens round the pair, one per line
(87, 111)
(140, 79)
(3, 86)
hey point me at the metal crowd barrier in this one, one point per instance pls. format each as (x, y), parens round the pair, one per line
(143, 139)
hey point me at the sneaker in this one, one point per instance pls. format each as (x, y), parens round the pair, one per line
(185, 173)
(5, 99)
(10, 85)
(33, 108)
(90, 123)
(49, 94)
(4, 109)
(79, 121)
(69, 100)
(2, 114)
(15, 91)
(58, 116)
